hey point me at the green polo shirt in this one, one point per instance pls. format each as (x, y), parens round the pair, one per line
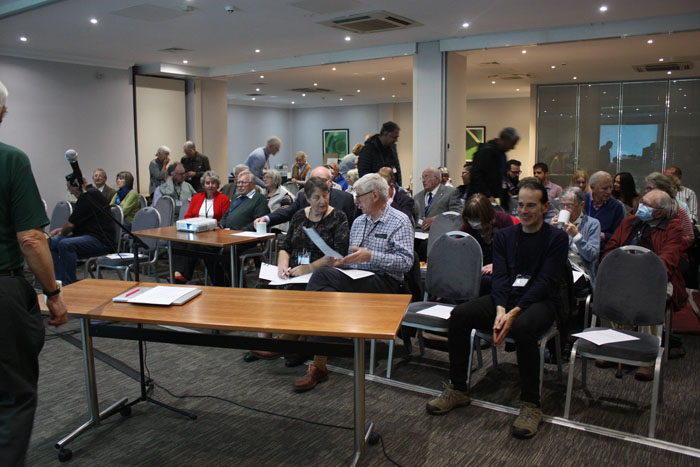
(21, 207)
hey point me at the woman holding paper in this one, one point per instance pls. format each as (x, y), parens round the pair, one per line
(299, 256)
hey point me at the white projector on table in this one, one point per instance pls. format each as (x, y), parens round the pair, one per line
(196, 224)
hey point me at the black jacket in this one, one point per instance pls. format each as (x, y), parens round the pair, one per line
(375, 155)
(488, 171)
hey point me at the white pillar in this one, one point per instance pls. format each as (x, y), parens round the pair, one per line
(214, 120)
(456, 112)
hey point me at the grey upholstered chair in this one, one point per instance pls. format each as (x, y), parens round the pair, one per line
(630, 290)
(60, 214)
(165, 207)
(446, 222)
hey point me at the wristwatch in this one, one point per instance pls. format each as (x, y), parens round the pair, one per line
(53, 292)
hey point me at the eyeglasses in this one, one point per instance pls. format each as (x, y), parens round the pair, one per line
(360, 196)
(178, 173)
(568, 205)
(243, 183)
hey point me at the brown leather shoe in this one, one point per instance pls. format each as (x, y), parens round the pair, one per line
(265, 355)
(313, 376)
(645, 373)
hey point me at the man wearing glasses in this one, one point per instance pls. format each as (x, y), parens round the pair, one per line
(99, 181)
(176, 187)
(247, 205)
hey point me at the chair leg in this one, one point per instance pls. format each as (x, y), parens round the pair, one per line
(655, 394)
(584, 372)
(372, 346)
(390, 359)
(543, 346)
(557, 349)
(472, 337)
(494, 355)
(421, 344)
(570, 383)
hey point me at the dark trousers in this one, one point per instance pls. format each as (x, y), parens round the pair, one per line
(526, 329)
(327, 279)
(21, 340)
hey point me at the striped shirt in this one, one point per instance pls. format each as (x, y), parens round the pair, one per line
(389, 240)
(688, 197)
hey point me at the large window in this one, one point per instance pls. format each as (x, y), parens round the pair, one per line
(636, 127)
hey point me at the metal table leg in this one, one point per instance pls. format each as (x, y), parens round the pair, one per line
(233, 266)
(361, 436)
(170, 260)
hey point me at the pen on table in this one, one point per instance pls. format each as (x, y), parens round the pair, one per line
(132, 292)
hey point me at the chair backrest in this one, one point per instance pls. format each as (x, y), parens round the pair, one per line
(454, 267)
(118, 215)
(445, 222)
(61, 213)
(143, 201)
(630, 287)
(165, 207)
(292, 187)
(183, 209)
(147, 218)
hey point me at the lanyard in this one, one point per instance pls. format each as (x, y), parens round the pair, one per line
(364, 230)
(240, 201)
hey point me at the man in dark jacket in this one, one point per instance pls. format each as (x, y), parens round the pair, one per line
(489, 168)
(529, 260)
(380, 151)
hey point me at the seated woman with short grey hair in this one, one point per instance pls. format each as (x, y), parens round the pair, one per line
(277, 195)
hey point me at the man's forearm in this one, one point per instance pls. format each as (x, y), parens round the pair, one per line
(36, 253)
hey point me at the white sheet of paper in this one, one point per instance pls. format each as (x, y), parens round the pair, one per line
(121, 255)
(577, 275)
(606, 336)
(321, 244)
(422, 235)
(269, 272)
(439, 311)
(161, 295)
(251, 234)
(356, 273)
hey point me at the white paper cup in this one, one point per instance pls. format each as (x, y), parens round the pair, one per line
(564, 217)
(261, 227)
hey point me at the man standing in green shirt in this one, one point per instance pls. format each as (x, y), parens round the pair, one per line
(22, 218)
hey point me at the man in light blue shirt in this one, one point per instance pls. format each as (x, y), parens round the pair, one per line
(257, 160)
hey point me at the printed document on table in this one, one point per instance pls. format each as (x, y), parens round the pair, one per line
(268, 272)
(422, 235)
(356, 273)
(251, 234)
(439, 311)
(161, 295)
(606, 336)
(321, 244)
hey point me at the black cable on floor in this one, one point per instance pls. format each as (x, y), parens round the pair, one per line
(381, 440)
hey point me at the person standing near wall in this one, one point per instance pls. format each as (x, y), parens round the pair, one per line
(22, 217)
(195, 165)
(488, 171)
(380, 151)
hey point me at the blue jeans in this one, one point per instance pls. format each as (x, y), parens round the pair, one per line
(65, 251)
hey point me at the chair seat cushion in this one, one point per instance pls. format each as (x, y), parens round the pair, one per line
(413, 317)
(644, 349)
(104, 261)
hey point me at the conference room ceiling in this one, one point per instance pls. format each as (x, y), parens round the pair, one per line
(130, 32)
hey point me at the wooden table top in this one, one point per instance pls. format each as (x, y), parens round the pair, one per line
(371, 316)
(218, 238)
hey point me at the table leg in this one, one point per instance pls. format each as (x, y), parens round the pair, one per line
(170, 260)
(233, 266)
(360, 435)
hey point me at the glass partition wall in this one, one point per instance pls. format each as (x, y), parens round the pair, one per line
(637, 127)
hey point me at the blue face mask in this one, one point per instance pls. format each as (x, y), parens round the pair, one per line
(644, 212)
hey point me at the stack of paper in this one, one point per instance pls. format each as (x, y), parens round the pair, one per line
(606, 336)
(438, 311)
(161, 295)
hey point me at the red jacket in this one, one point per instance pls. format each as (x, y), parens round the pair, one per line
(221, 204)
(667, 239)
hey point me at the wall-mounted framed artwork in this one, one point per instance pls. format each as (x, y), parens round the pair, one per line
(335, 142)
(475, 135)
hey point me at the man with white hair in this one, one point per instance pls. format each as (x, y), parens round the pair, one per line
(381, 241)
(230, 189)
(258, 159)
(600, 205)
(22, 218)
(158, 168)
(195, 165)
(338, 199)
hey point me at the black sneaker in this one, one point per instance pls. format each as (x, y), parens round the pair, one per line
(250, 357)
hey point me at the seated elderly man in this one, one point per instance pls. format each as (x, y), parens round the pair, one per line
(88, 231)
(99, 181)
(600, 205)
(230, 189)
(176, 187)
(528, 262)
(652, 228)
(398, 196)
(584, 234)
(381, 241)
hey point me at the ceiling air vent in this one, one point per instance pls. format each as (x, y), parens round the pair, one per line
(175, 50)
(376, 21)
(515, 76)
(253, 94)
(309, 90)
(663, 66)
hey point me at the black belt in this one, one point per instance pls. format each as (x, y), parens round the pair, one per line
(13, 272)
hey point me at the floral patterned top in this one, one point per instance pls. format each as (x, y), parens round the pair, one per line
(333, 229)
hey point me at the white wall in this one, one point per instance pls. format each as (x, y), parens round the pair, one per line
(53, 107)
(495, 114)
(249, 127)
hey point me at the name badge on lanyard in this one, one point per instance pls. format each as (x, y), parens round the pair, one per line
(304, 257)
(521, 281)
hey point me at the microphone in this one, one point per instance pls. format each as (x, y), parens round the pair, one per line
(76, 177)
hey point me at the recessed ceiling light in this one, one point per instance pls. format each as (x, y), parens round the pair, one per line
(257, 89)
(293, 102)
(185, 62)
(315, 84)
(493, 82)
(650, 41)
(553, 67)
(358, 90)
(575, 77)
(524, 51)
(93, 20)
(347, 38)
(465, 25)
(393, 95)
(257, 51)
(340, 99)
(668, 72)
(262, 76)
(661, 59)
(383, 78)
(517, 90)
(23, 38)
(333, 68)
(303, 94)
(253, 98)
(603, 8)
